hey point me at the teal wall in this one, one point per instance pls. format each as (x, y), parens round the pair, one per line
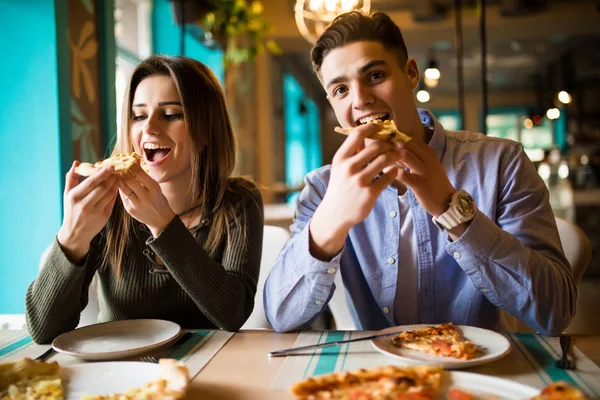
(166, 39)
(34, 137)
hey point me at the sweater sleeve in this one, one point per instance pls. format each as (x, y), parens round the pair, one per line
(54, 301)
(223, 291)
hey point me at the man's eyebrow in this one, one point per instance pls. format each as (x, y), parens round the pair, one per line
(361, 71)
(161, 104)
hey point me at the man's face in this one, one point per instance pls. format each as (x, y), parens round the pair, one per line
(365, 81)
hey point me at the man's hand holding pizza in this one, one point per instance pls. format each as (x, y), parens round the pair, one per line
(359, 174)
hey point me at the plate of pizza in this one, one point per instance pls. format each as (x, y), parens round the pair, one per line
(424, 382)
(448, 345)
(28, 379)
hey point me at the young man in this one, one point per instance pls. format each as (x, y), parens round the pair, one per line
(452, 226)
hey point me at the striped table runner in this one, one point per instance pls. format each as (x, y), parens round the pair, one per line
(531, 361)
(195, 352)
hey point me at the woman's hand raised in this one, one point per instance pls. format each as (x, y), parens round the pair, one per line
(87, 207)
(144, 200)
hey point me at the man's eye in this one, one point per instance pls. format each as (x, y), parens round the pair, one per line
(375, 76)
(339, 90)
(172, 117)
(138, 117)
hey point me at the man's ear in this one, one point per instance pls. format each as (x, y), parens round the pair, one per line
(412, 70)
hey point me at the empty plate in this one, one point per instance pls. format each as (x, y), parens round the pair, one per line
(115, 340)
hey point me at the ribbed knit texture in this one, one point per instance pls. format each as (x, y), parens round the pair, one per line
(197, 291)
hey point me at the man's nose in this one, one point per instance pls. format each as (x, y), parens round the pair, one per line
(362, 97)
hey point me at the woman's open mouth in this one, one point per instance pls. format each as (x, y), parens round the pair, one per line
(155, 153)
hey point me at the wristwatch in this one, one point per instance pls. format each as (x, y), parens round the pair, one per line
(461, 209)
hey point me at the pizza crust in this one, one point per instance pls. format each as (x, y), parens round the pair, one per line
(122, 163)
(389, 132)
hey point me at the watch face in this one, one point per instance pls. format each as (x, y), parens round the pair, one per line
(464, 205)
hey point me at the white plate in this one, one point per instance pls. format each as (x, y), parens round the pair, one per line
(487, 387)
(494, 344)
(114, 340)
(105, 378)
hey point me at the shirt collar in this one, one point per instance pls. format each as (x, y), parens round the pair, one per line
(438, 140)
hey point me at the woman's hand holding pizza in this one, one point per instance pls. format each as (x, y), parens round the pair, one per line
(87, 207)
(426, 176)
(358, 175)
(144, 200)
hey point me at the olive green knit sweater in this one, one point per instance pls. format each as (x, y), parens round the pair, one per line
(191, 288)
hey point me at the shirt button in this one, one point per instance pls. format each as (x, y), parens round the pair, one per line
(331, 271)
(386, 310)
(484, 291)
(318, 302)
(393, 214)
(391, 260)
(456, 255)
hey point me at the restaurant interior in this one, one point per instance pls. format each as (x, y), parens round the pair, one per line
(525, 70)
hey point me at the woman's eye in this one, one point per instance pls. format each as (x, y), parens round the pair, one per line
(171, 117)
(138, 117)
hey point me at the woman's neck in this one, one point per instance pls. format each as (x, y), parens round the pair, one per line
(176, 192)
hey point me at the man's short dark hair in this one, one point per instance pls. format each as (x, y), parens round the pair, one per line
(356, 26)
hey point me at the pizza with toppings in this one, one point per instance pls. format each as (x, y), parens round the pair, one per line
(442, 340)
(389, 132)
(382, 383)
(122, 163)
(28, 379)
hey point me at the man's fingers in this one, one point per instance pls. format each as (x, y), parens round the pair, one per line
(385, 179)
(356, 140)
(369, 154)
(409, 160)
(380, 163)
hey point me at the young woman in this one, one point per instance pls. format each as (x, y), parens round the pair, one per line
(182, 242)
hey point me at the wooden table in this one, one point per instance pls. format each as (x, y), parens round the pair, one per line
(243, 370)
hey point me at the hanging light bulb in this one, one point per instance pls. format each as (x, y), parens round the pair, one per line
(423, 96)
(330, 5)
(314, 5)
(553, 113)
(314, 16)
(564, 97)
(432, 74)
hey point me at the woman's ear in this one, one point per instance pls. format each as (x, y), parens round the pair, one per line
(412, 70)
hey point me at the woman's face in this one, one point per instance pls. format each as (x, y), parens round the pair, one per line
(158, 129)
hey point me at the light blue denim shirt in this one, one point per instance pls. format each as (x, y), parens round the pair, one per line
(510, 257)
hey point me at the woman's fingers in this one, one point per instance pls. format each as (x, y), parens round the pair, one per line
(89, 184)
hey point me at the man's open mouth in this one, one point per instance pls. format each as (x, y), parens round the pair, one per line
(155, 152)
(373, 117)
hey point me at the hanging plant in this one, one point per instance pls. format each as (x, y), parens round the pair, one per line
(239, 28)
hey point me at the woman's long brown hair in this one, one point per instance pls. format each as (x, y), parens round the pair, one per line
(213, 160)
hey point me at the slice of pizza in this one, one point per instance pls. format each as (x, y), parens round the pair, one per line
(442, 340)
(172, 382)
(27, 379)
(560, 391)
(380, 383)
(389, 131)
(122, 162)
